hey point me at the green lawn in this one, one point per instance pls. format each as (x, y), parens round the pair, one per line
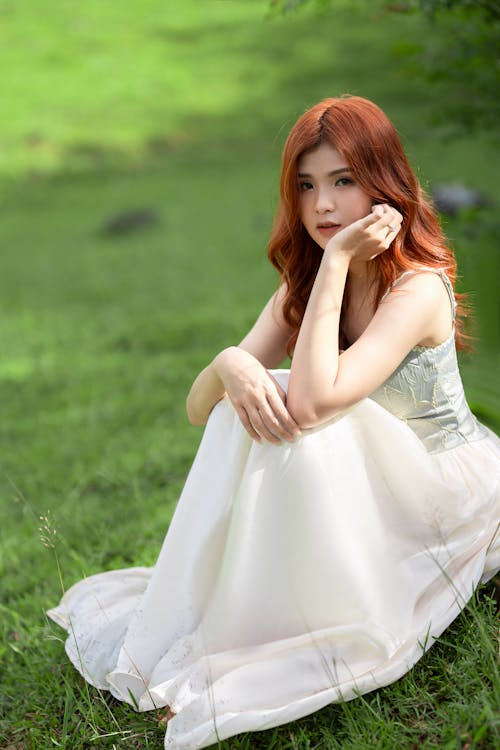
(182, 109)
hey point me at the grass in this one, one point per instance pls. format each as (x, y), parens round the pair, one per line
(182, 112)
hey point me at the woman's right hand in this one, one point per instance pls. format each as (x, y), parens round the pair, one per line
(257, 397)
(368, 237)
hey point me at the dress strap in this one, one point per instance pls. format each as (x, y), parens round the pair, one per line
(395, 282)
(444, 278)
(451, 294)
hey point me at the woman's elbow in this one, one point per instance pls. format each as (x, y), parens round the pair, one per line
(195, 417)
(309, 414)
(198, 411)
(196, 420)
(305, 413)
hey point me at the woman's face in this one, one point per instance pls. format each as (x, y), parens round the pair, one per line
(329, 197)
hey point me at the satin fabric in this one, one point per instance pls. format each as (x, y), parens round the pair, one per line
(426, 390)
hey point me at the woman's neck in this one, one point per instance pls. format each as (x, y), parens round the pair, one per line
(362, 275)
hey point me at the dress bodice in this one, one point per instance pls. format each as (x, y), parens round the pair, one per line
(426, 391)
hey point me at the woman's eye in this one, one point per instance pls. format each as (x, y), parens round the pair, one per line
(303, 186)
(344, 181)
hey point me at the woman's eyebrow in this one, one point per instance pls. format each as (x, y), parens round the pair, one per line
(330, 174)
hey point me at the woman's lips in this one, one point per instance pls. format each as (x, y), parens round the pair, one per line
(328, 230)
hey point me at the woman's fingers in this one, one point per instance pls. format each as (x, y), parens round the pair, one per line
(386, 223)
(381, 224)
(282, 421)
(247, 424)
(257, 397)
(385, 216)
(273, 422)
(260, 424)
(368, 237)
(268, 420)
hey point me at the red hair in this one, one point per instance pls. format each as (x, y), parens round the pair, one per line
(369, 143)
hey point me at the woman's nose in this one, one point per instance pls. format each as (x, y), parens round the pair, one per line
(324, 201)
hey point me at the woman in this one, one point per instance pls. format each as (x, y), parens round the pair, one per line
(338, 515)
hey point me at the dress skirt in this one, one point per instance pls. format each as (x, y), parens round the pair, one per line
(291, 576)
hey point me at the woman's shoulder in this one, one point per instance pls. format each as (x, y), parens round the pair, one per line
(431, 284)
(430, 289)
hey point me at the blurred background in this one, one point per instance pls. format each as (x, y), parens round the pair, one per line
(139, 160)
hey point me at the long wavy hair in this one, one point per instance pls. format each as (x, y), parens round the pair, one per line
(369, 143)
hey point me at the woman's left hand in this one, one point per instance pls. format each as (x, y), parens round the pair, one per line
(368, 237)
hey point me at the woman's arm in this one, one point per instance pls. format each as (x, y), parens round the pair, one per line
(241, 374)
(206, 390)
(324, 382)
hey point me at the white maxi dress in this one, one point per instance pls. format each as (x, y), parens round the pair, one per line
(298, 575)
